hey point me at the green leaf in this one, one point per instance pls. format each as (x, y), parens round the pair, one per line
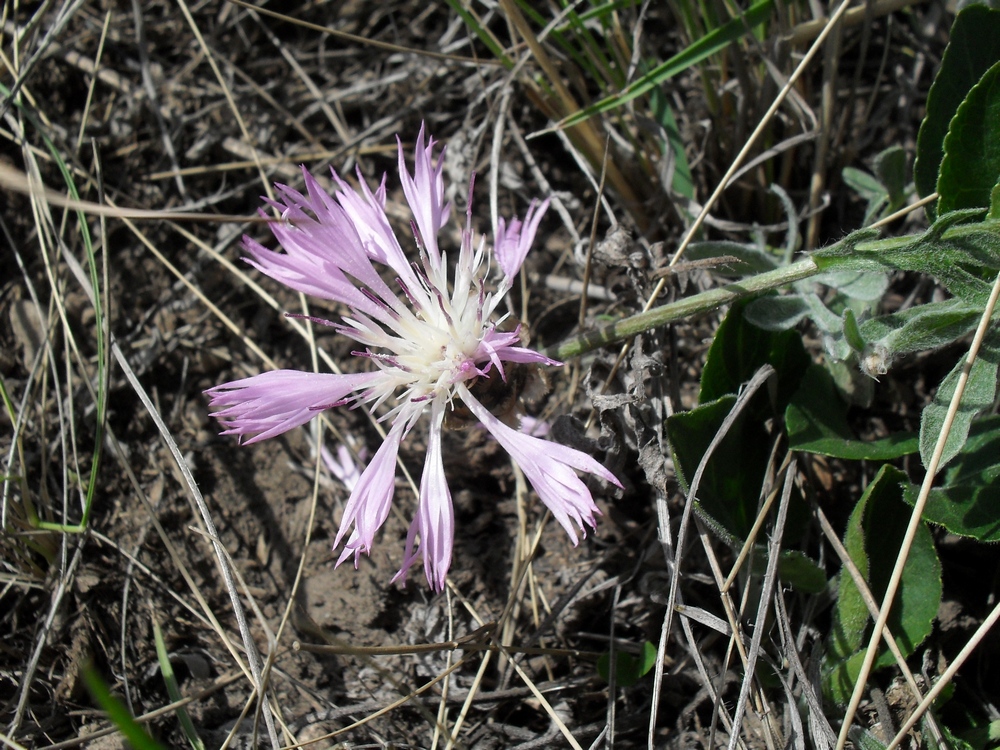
(852, 334)
(994, 202)
(923, 327)
(949, 740)
(865, 740)
(858, 285)
(731, 484)
(853, 386)
(972, 50)
(959, 250)
(886, 188)
(874, 534)
(629, 669)
(971, 165)
(683, 183)
(749, 257)
(117, 712)
(968, 510)
(801, 572)
(816, 420)
(777, 313)
(890, 166)
(740, 348)
(980, 737)
(966, 503)
(980, 390)
(851, 616)
(864, 184)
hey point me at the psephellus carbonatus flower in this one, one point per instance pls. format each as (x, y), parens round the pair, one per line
(430, 343)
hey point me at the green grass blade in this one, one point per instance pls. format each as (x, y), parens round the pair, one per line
(599, 11)
(579, 46)
(117, 712)
(597, 60)
(708, 45)
(683, 182)
(101, 344)
(167, 670)
(484, 35)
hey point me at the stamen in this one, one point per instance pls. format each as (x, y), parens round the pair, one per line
(379, 356)
(468, 204)
(405, 289)
(333, 404)
(482, 302)
(313, 319)
(440, 299)
(370, 295)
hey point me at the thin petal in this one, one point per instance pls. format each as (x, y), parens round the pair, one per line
(513, 241)
(501, 345)
(549, 467)
(367, 214)
(424, 193)
(342, 466)
(368, 506)
(526, 356)
(321, 247)
(435, 519)
(274, 402)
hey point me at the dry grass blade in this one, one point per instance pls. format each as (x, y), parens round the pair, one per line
(584, 135)
(945, 678)
(707, 681)
(144, 718)
(43, 632)
(23, 72)
(367, 41)
(16, 181)
(766, 596)
(556, 719)
(93, 82)
(765, 120)
(197, 498)
(872, 605)
(825, 134)
(253, 655)
(150, 87)
(824, 738)
(758, 524)
(809, 30)
(745, 396)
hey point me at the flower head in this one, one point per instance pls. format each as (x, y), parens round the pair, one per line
(429, 337)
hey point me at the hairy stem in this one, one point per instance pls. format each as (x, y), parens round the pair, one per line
(683, 308)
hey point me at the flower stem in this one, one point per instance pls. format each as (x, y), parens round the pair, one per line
(683, 308)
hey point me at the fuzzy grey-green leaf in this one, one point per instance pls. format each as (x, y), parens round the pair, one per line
(980, 390)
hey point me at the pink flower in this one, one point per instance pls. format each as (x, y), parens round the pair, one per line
(427, 344)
